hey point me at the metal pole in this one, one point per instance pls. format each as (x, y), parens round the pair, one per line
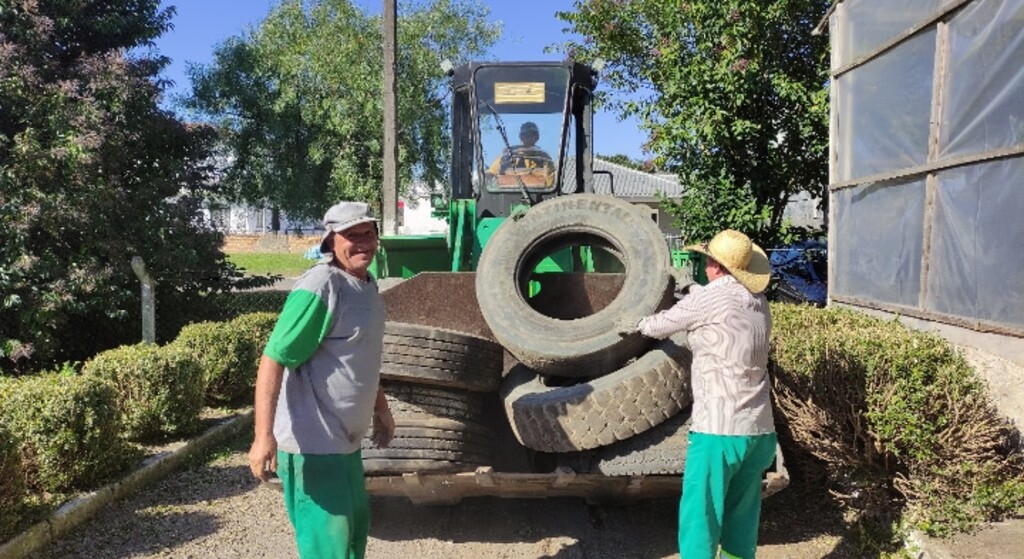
(148, 300)
(390, 194)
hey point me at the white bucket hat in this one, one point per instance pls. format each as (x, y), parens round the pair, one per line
(740, 256)
(342, 216)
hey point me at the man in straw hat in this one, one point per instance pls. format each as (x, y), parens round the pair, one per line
(318, 390)
(732, 437)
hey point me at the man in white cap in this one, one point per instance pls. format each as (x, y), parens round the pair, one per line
(732, 436)
(318, 390)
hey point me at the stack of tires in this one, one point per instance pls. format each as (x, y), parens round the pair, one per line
(577, 389)
(604, 402)
(436, 382)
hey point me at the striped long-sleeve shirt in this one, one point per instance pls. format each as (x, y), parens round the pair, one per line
(729, 330)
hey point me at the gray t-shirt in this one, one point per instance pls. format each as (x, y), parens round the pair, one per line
(329, 338)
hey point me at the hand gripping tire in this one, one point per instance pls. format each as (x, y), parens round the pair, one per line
(589, 346)
(602, 411)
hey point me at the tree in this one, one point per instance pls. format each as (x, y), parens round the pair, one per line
(92, 172)
(299, 107)
(624, 160)
(734, 97)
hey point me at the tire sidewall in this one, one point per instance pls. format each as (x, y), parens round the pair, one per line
(587, 346)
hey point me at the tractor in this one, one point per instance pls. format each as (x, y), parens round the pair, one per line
(502, 362)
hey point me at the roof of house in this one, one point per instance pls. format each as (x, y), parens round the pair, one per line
(625, 182)
(632, 183)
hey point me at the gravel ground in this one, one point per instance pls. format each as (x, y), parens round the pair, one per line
(216, 509)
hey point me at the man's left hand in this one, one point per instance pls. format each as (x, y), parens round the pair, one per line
(383, 427)
(682, 281)
(627, 327)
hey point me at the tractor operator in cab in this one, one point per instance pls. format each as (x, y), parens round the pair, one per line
(526, 161)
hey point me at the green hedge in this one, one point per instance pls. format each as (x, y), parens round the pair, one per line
(900, 420)
(67, 428)
(228, 354)
(160, 389)
(12, 483)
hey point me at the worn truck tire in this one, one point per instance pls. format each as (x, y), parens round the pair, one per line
(403, 447)
(406, 455)
(387, 466)
(583, 347)
(478, 431)
(426, 454)
(428, 355)
(432, 402)
(601, 411)
(659, 451)
(418, 438)
(437, 430)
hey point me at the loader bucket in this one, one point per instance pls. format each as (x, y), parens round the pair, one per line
(448, 299)
(438, 299)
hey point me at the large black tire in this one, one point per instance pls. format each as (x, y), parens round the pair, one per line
(659, 451)
(599, 412)
(389, 466)
(423, 444)
(591, 345)
(428, 355)
(427, 402)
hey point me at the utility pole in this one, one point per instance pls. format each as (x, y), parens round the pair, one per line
(390, 194)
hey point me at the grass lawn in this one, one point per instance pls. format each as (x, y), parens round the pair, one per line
(288, 265)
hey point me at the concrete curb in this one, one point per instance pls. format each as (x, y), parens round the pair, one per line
(919, 547)
(80, 509)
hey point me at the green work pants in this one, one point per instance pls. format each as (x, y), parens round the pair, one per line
(721, 501)
(327, 503)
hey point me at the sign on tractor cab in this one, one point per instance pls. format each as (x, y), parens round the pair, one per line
(518, 92)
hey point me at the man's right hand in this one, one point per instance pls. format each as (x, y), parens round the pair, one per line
(263, 457)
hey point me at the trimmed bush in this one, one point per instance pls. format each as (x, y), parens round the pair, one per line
(12, 484)
(160, 389)
(256, 328)
(68, 430)
(899, 419)
(228, 354)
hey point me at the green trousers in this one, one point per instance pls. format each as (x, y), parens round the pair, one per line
(327, 503)
(721, 501)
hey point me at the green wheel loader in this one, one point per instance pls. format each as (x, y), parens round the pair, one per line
(502, 362)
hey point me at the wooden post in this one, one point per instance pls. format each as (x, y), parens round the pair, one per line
(390, 187)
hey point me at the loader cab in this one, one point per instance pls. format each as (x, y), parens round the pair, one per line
(521, 133)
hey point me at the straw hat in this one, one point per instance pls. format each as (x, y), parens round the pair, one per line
(740, 256)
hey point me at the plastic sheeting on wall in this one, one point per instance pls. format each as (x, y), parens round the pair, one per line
(882, 114)
(884, 110)
(976, 268)
(869, 24)
(878, 235)
(984, 105)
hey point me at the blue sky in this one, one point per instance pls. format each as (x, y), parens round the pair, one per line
(529, 27)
